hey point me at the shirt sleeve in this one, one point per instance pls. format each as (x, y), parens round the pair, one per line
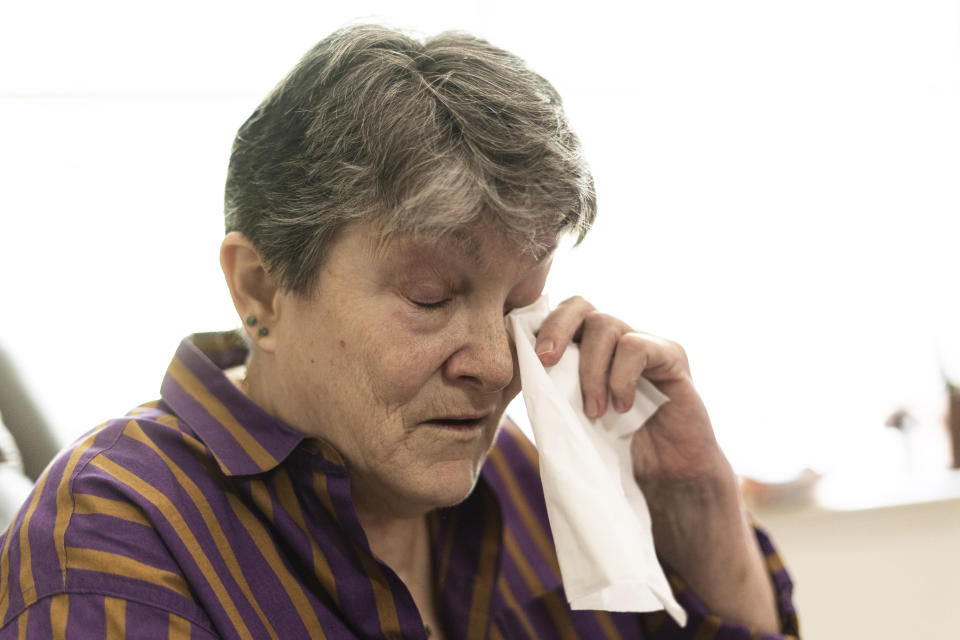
(701, 624)
(91, 616)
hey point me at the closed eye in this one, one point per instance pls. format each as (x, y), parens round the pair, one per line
(439, 304)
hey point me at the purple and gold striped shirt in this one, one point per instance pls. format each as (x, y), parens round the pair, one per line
(200, 516)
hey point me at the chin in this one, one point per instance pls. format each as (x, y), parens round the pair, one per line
(450, 483)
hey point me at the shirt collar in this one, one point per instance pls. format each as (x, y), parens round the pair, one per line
(244, 439)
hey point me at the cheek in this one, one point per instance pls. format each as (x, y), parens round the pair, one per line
(398, 364)
(514, 387)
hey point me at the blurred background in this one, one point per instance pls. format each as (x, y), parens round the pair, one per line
(778, 189)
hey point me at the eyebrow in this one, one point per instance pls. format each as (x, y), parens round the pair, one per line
(467, 244)
(463, 241)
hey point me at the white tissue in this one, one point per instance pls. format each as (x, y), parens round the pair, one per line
(598, 516)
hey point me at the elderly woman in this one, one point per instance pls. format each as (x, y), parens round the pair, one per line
(343, 469)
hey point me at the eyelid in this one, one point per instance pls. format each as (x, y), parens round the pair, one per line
(439, 304)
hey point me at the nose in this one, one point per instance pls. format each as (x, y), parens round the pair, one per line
(485, 358)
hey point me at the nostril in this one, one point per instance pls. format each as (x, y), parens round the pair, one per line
(488, 371)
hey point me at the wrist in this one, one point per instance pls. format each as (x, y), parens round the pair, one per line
(701, 529)
(695, 517)
(713, 488)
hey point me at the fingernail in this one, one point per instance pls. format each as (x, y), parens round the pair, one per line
(618, 405)
(591, 408)
(544, 349)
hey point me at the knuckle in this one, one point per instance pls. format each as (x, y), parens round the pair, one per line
(591, 320)
(595, 321)
(633, 342)
(578, 301)
(592, 367)
(625, 387)
(679, 351)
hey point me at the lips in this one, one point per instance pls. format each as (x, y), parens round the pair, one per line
(455, 422)
(458, 422)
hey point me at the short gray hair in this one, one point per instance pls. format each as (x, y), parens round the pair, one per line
(425, 137)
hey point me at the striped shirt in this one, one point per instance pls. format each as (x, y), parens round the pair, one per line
(200, 516)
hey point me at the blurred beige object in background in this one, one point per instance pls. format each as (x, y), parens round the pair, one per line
(797, 491)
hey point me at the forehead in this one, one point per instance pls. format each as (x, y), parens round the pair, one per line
(479, 245)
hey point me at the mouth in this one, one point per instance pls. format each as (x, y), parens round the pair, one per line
(467, 426)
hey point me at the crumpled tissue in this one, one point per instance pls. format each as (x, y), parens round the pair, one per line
(598, 515)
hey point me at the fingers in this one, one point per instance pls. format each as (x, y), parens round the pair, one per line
(598, 343)
(642, 355)
(628, 364)
(613, 357)
(559, 329)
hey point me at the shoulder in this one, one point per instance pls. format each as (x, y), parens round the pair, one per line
(95, 520)
(95, 616)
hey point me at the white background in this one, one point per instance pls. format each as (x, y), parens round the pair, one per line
(778, 187)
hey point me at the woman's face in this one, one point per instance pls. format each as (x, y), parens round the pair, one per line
(401, 360)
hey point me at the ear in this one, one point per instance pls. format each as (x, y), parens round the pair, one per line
(254, 290)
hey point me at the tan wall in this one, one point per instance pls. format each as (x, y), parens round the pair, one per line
(878, 574)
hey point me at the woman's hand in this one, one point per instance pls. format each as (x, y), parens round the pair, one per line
(699, 524)
(677, 444)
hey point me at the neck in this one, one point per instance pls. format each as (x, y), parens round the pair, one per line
(403, 544)
(254, 382)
